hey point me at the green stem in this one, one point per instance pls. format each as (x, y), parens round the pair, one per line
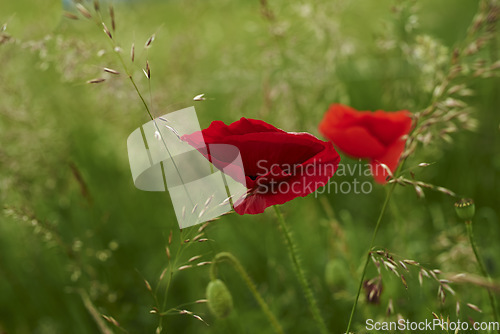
(94, 312)
(225, 256)
(377, 226)
(482, 268)
(292, 250)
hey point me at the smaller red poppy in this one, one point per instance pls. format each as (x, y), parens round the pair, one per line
(378, 136)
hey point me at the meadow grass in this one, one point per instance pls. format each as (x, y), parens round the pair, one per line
(78, 241)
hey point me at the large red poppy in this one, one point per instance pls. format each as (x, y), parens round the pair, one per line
(278, 166)
(377, 136)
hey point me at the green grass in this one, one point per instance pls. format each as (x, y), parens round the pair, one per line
(66, 231)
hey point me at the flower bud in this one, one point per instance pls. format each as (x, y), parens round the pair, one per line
(465, 208)
(219, 298)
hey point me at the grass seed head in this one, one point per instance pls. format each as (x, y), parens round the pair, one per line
(194, 258)
(148, 69)
(111, 320)
(203, 227)
(112, 16)
(66, 14)
(150, 41)
(200, 97)
(203, 263)
(148, 286)
(474, 307)
(97, 80)
(110, 70)
(373, 289)
(390, 308)
(106, 30)
(83, 11)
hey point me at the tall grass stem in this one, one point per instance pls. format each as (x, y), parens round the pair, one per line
(292, 250)
(482, 268)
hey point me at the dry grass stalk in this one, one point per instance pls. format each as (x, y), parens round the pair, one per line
(83, 11)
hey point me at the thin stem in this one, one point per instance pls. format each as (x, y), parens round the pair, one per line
(94, 312)
(377, 226)
(292, 250)
(225, 256)
(114, 46)
(482, 268)
(172, 266)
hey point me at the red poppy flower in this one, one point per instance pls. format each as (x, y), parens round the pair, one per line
(378, 136)
(278, 166)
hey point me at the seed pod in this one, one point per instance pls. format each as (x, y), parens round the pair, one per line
(219, 299)
(465, 208)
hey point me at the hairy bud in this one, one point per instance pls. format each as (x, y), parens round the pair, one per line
(219, 299)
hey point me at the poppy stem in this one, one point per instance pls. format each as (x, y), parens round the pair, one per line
(482, 269)
(226, 256)
(292, 250)
(377, 226)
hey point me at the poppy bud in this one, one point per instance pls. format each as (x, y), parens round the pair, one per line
(219, 298)
(465, 208)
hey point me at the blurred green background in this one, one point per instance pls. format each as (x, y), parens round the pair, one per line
(78, 240)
